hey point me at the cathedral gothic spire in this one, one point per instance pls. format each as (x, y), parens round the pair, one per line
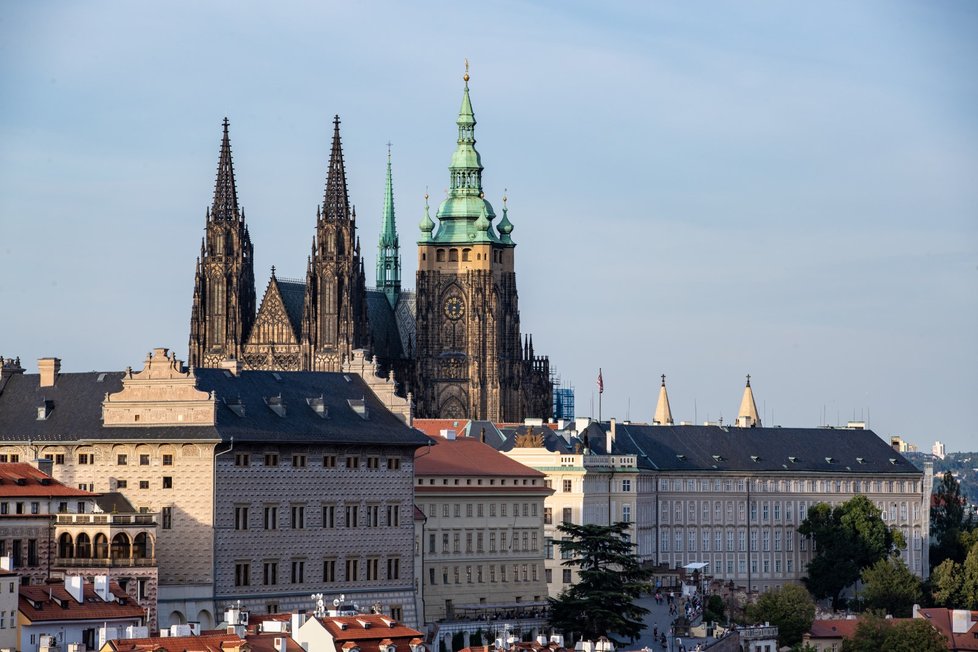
(747, 416)
(334, 316)
(388, 249)
(663, 413)
(223, 308)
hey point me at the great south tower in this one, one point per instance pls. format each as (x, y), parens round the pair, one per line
(470, 362)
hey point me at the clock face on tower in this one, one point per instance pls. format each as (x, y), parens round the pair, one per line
(454, 307)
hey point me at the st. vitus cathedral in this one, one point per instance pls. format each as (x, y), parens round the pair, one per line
(455, 345)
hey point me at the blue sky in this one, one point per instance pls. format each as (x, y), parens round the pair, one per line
(703, 190)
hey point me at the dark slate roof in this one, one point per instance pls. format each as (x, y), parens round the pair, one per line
(294, 297)
(562, 441)
(77, 413)
(384, 335)
(114, 503)
(742, 450)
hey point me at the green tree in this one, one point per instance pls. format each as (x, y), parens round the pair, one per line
(874, 633)
(948, 522)
(791, 608)
(955, 585)
(848, 538)
(714, 609)
(602, 603)
(889, 585)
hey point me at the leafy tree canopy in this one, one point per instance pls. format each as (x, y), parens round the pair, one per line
(848, 538)
(791, 608)
(948, 524)
(955, 585)
(874, 633)
(602, 603)
(892, 587)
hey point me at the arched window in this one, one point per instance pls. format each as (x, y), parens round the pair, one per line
(83, 546)
(453, 255)
(140, 546)
(440, 256)
(466, 254)
(101, 548)
(120, 546)
(66, 549)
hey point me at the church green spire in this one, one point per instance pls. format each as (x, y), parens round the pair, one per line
(388, 250)
(465, 216)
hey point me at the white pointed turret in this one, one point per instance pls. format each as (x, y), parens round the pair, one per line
(747, 416)
(663, 413)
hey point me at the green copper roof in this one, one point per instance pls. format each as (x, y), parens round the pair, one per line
(464, 216)
(427, 224)
(505, 226)
(388, 249)
(388, 232)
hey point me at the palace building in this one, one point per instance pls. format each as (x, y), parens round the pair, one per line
(454, 345)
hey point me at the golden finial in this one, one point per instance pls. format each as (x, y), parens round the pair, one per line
(465, 77)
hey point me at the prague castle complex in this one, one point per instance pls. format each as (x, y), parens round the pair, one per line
(455, 345)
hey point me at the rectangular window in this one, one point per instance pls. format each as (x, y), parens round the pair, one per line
(352, 462)
(492, 542)
(166, 516)
(242, 459)
(329, 461)
(373, 462)
(120, 484)
(626, 513)
(298, 517)
(240, 517)
(394, 515)
(298, 461)
(32, 552)
(567, 576)
(329, 570)
(298, 571)
(122, 459)
(393, 463)
(492, 510)
(626, 485)
(567, 516)
(468, 510)
(270, 573)
(352, 515)
(394, 568)
(271, 517)
(242, 574)
(271, 459)
(167, 482)
(167, 460)
(502, 509)
(373, 515)
(456, 542)
(144, 484)
(352, 570)
(329, 515)
(566, 486)
(144, 460)
(86, 458)
(373, 565)
(548, 515)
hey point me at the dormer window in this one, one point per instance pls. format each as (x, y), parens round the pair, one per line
(755, 458)
(792, 459)
(318, 405)
(276, 404)
(830, 460)
(44, 409)
(861, 460)
(359, 406)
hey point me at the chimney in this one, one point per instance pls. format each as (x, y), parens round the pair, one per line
(75, 586)
(231, 364)
(102, 588)
(49, 369)
(448, 434)
(960, 621)
(45, 466)
(279, 643)
(610, 439)
(10, 366)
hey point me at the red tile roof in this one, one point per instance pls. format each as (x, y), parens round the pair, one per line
(203, 643)
(833, 628)
(93, 608)
(377, 630)
(940, 619)
(433, 427)
(30, 483)
(467, 456)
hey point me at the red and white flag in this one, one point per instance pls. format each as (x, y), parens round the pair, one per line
(600, 382)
